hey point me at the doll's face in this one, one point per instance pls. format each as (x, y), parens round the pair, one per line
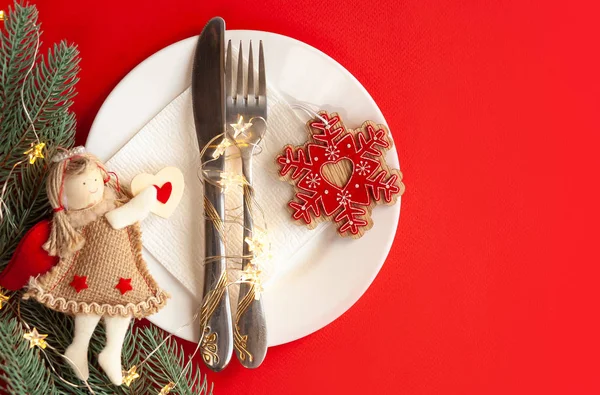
(84, 190)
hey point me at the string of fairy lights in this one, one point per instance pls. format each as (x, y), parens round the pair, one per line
(258, 245)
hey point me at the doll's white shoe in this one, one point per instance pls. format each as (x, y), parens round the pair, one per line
(77, 358)
(110, 361)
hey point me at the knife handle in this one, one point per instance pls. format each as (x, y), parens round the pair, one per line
(217, 340)
(250, 324)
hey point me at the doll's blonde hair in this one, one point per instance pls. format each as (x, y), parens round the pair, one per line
(64, 238)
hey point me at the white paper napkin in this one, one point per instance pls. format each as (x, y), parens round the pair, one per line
(178, 242)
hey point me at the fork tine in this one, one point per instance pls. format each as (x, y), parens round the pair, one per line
(250, 93)
(228, 72)
(262, 81)
(240, 75)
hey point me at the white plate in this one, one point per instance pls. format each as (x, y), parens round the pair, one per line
(333, 273)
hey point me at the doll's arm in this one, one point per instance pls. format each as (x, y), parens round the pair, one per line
(133, 211)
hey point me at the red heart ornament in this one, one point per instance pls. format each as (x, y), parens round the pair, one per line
(164, 193)
(169, 184)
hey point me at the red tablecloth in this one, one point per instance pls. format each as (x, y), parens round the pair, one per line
(494, 106)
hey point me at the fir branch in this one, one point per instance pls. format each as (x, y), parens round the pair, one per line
(16, 49)
(167, 364)
(47, 94)
(23, 370)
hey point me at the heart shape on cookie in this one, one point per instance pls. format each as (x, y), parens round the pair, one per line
(338, 173)
(163, 193)
(169, 184)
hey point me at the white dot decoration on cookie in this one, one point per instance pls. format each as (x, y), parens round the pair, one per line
(288, 161)
(316, 158)
(356, 185)
(326, 191)
(348, 145)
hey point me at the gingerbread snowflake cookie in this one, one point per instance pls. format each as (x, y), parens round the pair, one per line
(341, 174)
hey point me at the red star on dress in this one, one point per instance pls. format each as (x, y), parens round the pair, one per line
(79, 283)
(124, 285)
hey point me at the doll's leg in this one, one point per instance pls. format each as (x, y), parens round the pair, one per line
(110, 358)
(76, 354)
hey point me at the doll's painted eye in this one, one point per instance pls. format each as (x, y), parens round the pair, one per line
(84, 183)
(95, 179)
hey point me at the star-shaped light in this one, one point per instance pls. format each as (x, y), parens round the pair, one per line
(3, 298)
(258, 242)
(35, 152)
(240, 127)
(258, 290)
(259, 245)
(130, 375)
(36, 339)
(229, 179)
(221, 148)
(252, 275)
(167, 388)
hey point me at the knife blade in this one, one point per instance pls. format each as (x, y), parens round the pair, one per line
(208, 101)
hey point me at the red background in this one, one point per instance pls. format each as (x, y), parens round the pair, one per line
(494, 105)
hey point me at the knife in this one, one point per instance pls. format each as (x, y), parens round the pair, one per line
(208, 101)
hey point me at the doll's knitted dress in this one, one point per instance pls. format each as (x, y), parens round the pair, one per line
(107, 276)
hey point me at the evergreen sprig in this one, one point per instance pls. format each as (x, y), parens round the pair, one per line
(47, 94)
(22, 369)
(168, 364)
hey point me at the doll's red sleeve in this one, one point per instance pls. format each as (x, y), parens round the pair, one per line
(29, 259)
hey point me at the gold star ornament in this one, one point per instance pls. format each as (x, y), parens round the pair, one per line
(130, 375)
(3, 298)
(251, 274)
(36, 339)
(258, 243)
(258, 290)
(240, 127)
(221, 148)
(167, 388)
(35, 152)
(230, 179)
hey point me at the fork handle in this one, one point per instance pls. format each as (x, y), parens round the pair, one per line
(250, 324)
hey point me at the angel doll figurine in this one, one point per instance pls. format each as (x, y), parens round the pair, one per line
(100, 274)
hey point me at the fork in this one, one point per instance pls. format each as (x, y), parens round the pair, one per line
(250, 332)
